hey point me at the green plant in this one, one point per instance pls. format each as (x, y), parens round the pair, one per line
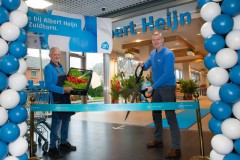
(115, 86)
(188, 87)
(149, 78)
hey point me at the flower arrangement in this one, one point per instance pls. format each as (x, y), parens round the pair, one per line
(115, 87)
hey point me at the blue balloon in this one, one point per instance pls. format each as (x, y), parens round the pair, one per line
(214, 43)
(222, 24)
(202, 2)
(3, 81)
(18, 114)
(231, 7)
(215, 126)
(11, 4)
(238, 52)
(237, 146)
(17, 49)
(234, 74)
(3, 150)
(209, 61)
(9, 64)
(9, 132)
(4, 15)
(23, 36)
(231, 156)
(220, 110)
(23, 157)
(229, 93)
(23, 97)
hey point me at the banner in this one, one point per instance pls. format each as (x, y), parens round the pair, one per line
(71, 32)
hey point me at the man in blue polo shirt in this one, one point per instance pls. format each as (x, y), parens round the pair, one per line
(162, 60)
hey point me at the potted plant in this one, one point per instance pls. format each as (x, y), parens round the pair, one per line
(115, 87)
(187, 87)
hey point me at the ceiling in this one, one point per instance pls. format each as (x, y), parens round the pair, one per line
(183, 39)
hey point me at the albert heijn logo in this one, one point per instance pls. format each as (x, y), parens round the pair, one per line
(105, 45)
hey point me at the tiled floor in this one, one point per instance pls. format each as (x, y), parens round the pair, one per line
(106, 136)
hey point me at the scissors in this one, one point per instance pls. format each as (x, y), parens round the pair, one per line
(137, 89)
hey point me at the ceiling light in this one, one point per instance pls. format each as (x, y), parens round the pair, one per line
(40, 4)
(129, 55)
(138, 40)
(190, 53)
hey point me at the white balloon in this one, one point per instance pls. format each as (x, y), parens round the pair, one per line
(19, 18)
(4, 116)
(18, 147)
(215, 156)
(210, 10)
(9, 31)
(233, 39)
(23, 128)
(17, 81)
(218, 76)
(3, 47)
(206, 29)
(22, 66)
(11, 158)
(9, 98)
(213, 93)
(221, 144)
(226, 58)
(231, 128)
(236, 22)
(217, 0)
(23, 7)
(236, 110)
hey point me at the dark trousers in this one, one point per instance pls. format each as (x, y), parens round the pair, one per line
(166, 94)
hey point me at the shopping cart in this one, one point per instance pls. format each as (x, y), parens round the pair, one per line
(41, 126)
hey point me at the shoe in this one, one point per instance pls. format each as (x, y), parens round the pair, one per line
(67, 147)
(54, 152)
(174, 153)
(155, 144)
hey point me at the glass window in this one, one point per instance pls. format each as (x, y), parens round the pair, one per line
(33, 73)
(126, 65)
(75, 62)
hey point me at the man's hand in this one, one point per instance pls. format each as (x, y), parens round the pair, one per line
(141, 63)
(67, 89)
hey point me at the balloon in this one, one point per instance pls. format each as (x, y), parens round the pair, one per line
(18, 49)
(232, 156)
(18, 147)
(3, 150)
(11, 4)
(234, 74)
(3, 81)
(231, 7)
(221, 144)
(215, 156)
(9, 31)
(23, 97)
(23, 128)
(9, 98)
(3, 47)
(238, 52)
(23, 36)
(226, 58)
(18, 114)
(215, 126)
(9, 64)
(214, 43)
(9, 132)
(231, 128)
(202, 2)
(236, 110)
(22, 66)
(23, 7)
(237, 146)
(217, 76)
(236, 21)
(222, 24)
(233, 39)
(4, 116)
(23, 157)
(206, 30)
(4, 15)
(11, 158)
(213, 93)
(17, 81)
(19, 18)
(220, 110)
(209, 61)
(229, 93)
(210, 10)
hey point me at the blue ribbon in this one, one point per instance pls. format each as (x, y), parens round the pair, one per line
(115, 107)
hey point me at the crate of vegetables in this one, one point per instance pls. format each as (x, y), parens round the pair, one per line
(79, 80)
